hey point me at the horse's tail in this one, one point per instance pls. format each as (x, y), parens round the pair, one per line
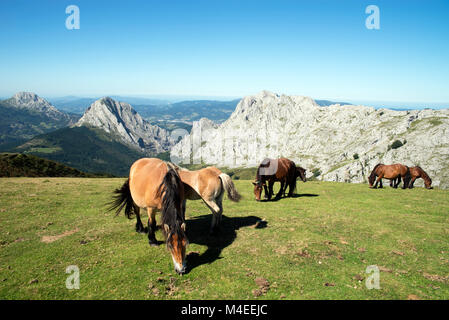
(123, 199)
(229, 186)
(372, 176)
(170, 190)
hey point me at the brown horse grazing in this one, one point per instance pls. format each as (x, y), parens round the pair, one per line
(209, 184)
(417, 172)
(272, 170)
(156, 186)
(392, 172)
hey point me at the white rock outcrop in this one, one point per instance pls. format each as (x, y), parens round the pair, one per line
(338, 142)
(122, 121)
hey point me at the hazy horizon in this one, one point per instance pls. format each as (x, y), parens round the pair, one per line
(179, 98)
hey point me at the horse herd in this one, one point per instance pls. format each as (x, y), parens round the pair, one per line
(159, 186)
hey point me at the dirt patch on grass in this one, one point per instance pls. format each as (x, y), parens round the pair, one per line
(435, 277)
(49, 239)
(264, 286)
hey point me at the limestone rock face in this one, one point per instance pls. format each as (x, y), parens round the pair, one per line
(122, 121)
(337, 142)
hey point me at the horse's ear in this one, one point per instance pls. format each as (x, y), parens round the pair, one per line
(166, 228)
(183, 226)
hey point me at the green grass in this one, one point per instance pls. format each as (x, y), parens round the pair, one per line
(328, 235)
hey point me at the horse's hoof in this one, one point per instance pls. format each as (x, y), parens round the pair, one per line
(154, 244)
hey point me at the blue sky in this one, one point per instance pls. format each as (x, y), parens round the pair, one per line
(227, 48)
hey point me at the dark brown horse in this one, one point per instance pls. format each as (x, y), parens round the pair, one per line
(299, 173)
(418, 172)
(272, 170)
(394, 172)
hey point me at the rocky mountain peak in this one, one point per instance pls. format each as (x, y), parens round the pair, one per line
(335, 143)
(122, 121)
(33, 102)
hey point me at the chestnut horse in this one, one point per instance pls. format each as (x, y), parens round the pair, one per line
(209, 184)
(392, 172)
(156, 186)
(418, 172)
(272, 170)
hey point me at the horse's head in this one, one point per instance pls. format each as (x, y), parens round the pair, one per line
(372, 176)
(301, 172)
(258, 189)
(177, 243)
(428, 183)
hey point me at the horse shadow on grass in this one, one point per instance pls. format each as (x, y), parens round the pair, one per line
(198, 233)
(296, 195)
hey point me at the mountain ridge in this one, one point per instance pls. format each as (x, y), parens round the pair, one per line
(121, 120)
(337, 142)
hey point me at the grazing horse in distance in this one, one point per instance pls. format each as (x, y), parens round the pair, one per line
(272, 170)
(299, 172)
(209, 184)
(418, 172)
(156, 186)
(392, 172)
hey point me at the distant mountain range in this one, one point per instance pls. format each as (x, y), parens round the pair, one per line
(158, 109)
(26, 115)
(110, 135)
(108, 138)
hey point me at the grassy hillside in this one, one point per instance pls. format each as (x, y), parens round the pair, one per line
(19, 125)
(22, 165)
(86, 149)
(316, 245)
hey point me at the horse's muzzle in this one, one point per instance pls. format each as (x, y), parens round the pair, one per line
(181, 272)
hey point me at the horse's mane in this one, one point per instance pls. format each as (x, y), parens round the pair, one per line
(424, 174)
(170, 191)
(373, 173)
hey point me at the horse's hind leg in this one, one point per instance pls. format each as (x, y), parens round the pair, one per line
(152, 227)
(216, 214)
(139, 225)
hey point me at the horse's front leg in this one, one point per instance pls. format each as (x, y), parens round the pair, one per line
(410, 185)
(398, 181)
(270, 189)
(379, 179)
(267, 194)
(152, 227)
(281, 190)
